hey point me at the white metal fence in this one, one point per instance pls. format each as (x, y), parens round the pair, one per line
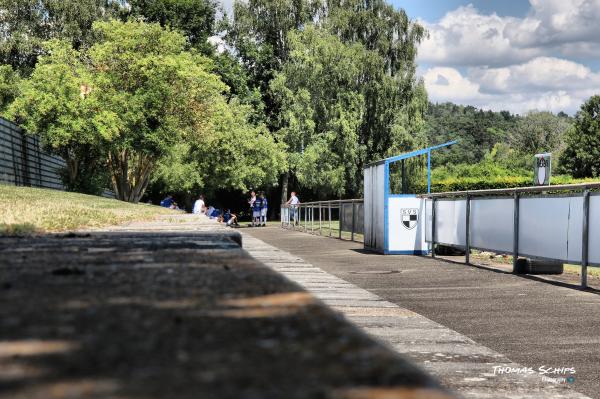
(331, 218)
(557, 223)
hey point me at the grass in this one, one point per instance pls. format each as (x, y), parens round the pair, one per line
(324, 231)
(28, 210)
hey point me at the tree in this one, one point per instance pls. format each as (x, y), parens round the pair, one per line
(235, 155)
(131, 108)
(321, 109)
(540, 132)
(476, 131)
(53, 104)
(161, 93)
(195, 19)
(27, 24)
(9, 86)
(581, 156)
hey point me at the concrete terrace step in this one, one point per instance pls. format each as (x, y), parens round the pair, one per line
(176, 309)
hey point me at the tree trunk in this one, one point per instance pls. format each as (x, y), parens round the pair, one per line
(130, 174)
(284, 186)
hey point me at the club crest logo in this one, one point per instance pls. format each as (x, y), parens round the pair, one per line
(410, 217)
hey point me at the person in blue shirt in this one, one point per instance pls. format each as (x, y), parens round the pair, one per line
(167, 202)
(256, 209)
(263, 210)
(229, 218)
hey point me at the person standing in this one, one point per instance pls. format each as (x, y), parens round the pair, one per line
(263, 210)
(199, 206)
(293, 205)
(256, 209)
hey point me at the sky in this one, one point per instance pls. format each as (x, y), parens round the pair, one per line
(515, 55)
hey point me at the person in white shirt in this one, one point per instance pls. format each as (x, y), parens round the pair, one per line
(293, 204)
(199, 206)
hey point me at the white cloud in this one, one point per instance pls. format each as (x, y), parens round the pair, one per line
(557, 22)
(553, 27)
(466, 37)
(447, 84)
(517, 64)
(543, 84)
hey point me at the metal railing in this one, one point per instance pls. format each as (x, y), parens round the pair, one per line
(337, 218)
(518, 193)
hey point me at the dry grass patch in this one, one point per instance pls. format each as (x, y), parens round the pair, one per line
(28, 210)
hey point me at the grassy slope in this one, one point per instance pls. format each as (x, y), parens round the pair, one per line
(27, 210)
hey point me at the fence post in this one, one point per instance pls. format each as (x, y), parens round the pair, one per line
(329, 204)
(312, 218)
(468, 231)
(585, 238)
(353, 221)
(433, 227)
(305, 218)
(516, 232)
(341, 213)
(320, 223)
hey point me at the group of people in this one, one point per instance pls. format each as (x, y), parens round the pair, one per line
(222, 216)
(259, 207)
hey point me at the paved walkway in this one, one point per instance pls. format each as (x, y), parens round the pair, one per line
(176, 309)
(460, 323)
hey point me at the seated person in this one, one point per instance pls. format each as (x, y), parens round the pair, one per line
(167, 202)
(229, 218)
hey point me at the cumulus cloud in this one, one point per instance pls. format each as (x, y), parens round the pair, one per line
(467, 37)
(557, 22)
(543, 83)
(517, 64)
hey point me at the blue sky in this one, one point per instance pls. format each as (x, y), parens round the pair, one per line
(433, 10)
(518, 55)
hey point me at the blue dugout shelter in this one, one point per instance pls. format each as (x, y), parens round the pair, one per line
(392, 223)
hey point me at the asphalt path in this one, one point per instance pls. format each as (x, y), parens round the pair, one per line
(533, 322)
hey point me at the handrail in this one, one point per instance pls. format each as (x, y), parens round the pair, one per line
(307, 215)
(531, 189)
(346, 201)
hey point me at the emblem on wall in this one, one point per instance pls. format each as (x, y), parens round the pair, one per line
(410, 217)
(543, 169)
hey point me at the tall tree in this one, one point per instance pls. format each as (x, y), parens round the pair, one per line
(9, 86)
(27, 24)
(581, 156)
(53, 104)
(321, 109)
(195, 19)
(540, 132)
(133, 107)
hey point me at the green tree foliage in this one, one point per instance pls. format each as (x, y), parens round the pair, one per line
(153, 104)
(9, 86)
(476, 130)
(237, 154)
(195, 19)
(51, 104)
(27, 24)
(321, 109)
(265, 34)
(394, 102)
(539, 132)
(581, 156)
